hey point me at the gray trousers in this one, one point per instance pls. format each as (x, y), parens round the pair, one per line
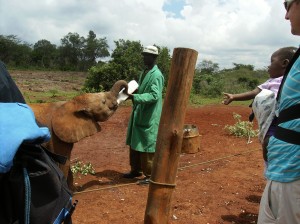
(280, 203)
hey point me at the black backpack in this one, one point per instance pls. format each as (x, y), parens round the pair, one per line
(34, 190)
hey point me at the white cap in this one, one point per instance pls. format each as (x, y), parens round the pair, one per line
(151, 50)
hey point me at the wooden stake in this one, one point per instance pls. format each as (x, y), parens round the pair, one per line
(170, 133)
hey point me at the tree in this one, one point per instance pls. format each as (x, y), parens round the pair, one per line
(94, 49)
(164, 62)
(127, 54)
(13, 51)
(207, 81)
(102, 77)
(22, 55)
(126, 63)
(240, 66)
(208, 67)
(44, 54)
(7, 46)
(71, 51)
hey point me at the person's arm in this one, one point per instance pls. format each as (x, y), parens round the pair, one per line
(228, 97)
(154, 93)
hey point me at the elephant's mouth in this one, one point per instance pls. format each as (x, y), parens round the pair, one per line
(104, 116)
(114, 107)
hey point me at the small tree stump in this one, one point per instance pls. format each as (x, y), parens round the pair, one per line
(191, 139)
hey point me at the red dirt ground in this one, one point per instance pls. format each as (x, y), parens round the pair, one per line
(222, 183)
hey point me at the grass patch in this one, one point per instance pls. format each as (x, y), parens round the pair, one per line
(49, 96)
(197, 100)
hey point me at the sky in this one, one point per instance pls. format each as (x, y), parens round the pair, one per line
(223, 31)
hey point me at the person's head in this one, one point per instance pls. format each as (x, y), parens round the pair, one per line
(293, 14)
(280, 60)
(150, 54)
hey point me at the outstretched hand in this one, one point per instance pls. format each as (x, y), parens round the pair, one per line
(228, 98)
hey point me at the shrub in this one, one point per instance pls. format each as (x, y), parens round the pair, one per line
(241, 128)
(82, 169)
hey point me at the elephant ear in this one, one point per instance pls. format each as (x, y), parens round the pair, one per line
(70, 123)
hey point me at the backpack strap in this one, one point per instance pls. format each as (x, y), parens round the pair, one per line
(27, 197)
(288, 114)
(284, 134)
(287, 135)
(287, 70)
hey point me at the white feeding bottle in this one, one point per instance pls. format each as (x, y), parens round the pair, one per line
(132, 86)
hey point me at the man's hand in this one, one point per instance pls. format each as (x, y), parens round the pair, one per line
(130, 96)
(228, 98)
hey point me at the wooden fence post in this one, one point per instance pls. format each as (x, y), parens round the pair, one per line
(170, 136)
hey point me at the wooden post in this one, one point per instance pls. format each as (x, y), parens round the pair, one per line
(170, 135)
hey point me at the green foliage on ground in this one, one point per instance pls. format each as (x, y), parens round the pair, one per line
(80, 168)
(241, 128)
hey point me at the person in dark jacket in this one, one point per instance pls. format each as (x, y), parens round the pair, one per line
(9, 92)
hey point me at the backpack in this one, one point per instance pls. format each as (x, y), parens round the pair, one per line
(32, 187)
(35, 190)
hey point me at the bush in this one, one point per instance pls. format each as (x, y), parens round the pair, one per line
(241, 128)
(101, 77)
(208, 85)
(82, 169)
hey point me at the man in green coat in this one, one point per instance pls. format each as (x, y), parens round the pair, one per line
(145, 117)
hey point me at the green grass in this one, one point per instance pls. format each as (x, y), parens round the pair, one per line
(55, 95)
(49, 96)
(43, 86)
(197, 100)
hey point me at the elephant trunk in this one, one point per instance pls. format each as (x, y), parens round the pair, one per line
(118, 86)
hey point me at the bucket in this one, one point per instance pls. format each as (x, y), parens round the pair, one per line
(191, 139)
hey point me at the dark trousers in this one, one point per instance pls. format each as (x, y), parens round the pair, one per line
(141, 162)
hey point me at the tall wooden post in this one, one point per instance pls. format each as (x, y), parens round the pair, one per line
(170, 136)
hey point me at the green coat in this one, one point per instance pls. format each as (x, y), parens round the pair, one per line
(146, 112)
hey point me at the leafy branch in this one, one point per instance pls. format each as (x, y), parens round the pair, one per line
(241, 128)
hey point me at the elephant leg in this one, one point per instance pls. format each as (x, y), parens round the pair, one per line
(64, 149)
(66, 169)
(70, 181)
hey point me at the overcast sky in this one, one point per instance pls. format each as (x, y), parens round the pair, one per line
(224, 31)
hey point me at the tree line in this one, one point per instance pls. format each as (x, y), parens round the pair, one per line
(76, 53)
(91, 54)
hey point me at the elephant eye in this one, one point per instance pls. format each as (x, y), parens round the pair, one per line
(104, 101)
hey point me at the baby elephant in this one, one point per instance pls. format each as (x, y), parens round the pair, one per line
(72, 120)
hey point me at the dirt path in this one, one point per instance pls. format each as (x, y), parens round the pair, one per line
(222, 183)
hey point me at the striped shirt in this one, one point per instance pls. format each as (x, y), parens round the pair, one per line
(283, 157)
